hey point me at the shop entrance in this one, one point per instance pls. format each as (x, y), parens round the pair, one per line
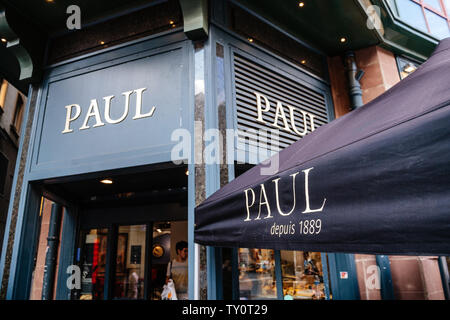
(128, 231)
(127, 261)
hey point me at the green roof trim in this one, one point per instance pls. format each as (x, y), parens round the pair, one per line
(399, 36)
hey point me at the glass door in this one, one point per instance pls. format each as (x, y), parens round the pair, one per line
(113, 263)
(130, 262)
(93, 264)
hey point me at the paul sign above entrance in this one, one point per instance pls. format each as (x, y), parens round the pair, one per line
(93, 111)
(115, 112)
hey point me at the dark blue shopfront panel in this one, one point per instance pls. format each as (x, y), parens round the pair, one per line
(120, 112)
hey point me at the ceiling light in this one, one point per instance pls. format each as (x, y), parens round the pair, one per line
(343, 40)
(102, 42)
(50, 1)
(301, 4)
(3, 40)
(250, 39)
(106, 181)
(171, 22)
(303, 61)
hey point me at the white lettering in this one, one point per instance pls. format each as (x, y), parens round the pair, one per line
(305, 128)
(262, 193)
(277, 197)
(280, 112)
(373, 281)
(308, 209)
(248, 205)
(264, 200)
(74, 20)
(74, 280)
(108, 107)
(92, 112)
(259, 107)
(181, 152)
(139, 114)
(69, 118)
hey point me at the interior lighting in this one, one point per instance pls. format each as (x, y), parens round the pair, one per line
(409, 68)
(106, 181)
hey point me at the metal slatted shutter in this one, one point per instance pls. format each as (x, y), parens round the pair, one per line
(250, 78)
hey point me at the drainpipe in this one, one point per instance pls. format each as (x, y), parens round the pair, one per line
(52, 252)
(354, 76)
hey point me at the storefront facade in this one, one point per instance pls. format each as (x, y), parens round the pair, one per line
(140, 117)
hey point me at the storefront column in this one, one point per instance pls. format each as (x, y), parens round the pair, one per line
(380, 71)
(199, 289)
(214, 156)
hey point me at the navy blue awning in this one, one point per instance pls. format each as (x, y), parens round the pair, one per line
(376, 180)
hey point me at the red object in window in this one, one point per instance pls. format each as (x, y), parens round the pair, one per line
(95, 262)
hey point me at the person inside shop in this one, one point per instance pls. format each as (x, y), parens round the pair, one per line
(177, 270)
(133, 284)
(310, 266)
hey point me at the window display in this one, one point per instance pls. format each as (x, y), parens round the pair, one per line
(302, 273)
(257, 274)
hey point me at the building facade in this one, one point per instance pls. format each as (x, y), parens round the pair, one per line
(12, 105)
(146, 109)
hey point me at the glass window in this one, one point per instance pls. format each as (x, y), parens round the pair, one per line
(18, 113)
(3, 90)
(412, 13)
(130, 262)
(93, 264)
(406, 67)
(257, 274)
(303, 275)
(438, 25)
(435, 4)
(3, 172)
(169, 258)
(426, 15)
(447, 6)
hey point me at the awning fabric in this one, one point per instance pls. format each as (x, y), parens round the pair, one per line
(376, 180)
